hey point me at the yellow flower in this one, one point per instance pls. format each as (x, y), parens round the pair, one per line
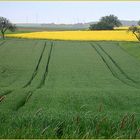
(116, 35)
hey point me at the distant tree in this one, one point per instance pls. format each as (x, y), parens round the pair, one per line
(101, 26)
(139, 22)
(135, 30)
(111, 20)
(106, 23)
(5, 25)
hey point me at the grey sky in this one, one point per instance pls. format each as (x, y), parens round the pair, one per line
(67, 12)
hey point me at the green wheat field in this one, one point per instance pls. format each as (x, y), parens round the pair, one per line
(69, 89)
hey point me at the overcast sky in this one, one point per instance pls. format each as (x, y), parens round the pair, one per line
(67, 12)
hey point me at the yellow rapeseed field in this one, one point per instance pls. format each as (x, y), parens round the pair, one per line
(79, 35)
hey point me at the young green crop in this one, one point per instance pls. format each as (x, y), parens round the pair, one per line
(88, 89)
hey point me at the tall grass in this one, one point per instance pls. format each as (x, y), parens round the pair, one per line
(94, 126)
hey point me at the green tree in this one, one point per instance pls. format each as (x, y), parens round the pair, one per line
(101, 26)
(111, 20)
(135, 30)
(106, 23)
(5, 25)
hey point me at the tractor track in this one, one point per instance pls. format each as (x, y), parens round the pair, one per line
(3, 95)
(47, 67)
(28, 95)
(22, 102)
(113, 72)
(113, 61)
(108, 66)
(36, 68)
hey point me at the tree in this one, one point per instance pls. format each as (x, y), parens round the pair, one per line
(106, 23)
(111, 20)
(5, 25)
(101, 26)
(139, 22)
(135, 30)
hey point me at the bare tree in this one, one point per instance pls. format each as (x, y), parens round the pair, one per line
(136, 31)
(5, 25)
